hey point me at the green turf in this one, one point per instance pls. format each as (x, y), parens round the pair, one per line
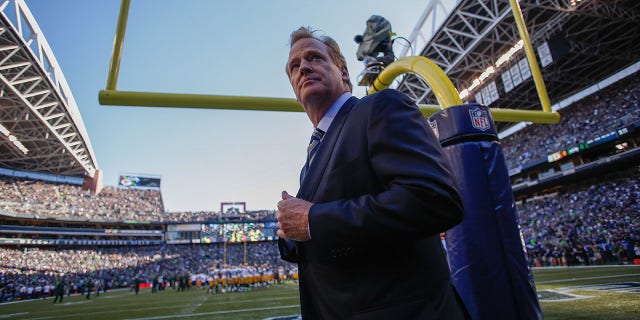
(168, 304)
(282, 300)
(598, 304)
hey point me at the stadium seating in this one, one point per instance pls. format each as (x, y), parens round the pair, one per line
(46, 199)
(584, 224)
(610, 108)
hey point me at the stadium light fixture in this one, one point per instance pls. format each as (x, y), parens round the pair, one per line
(506, 57)
(574, 3)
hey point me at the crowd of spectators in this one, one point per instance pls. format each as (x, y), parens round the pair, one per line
(585, 224)
(203, 216)
(610, 108)
(118, 267)
(593, 222)
(46, 199)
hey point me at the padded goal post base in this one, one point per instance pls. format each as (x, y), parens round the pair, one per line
(486, 253)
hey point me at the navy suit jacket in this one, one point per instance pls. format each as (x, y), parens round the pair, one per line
(382, 194)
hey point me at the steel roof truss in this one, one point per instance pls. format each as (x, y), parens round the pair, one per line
(45, 105)
(25, 80)
(62, 126)
(9, 47)
(457, 50)
(75, 143)
(14, 50)
(15, 65)
(445, 62)
(68, 135)
(54, 116)
(461, 33)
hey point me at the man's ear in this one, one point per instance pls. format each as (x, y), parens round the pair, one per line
(345, 74)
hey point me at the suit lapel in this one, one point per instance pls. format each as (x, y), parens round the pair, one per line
(309, 185)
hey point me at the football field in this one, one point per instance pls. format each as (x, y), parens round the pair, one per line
(565, 293)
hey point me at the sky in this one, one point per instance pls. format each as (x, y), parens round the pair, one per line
(203, 156)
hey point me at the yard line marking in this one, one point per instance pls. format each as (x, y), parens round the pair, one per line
(627, 287)
(193, 307)
(77, 302)
(589, 278)
(605, 266)
(13, 314)
(254, 300)
(216, 312)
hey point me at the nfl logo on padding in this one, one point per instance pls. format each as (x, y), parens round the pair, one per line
(479, 119)
(434, 126)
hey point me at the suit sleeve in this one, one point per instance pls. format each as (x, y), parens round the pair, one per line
(287, 250)
(415, 195)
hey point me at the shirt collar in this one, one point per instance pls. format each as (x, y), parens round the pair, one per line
(328, 117)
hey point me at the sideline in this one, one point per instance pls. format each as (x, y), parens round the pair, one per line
(588, 278)
(52, 298)
(587, 267)
(215, 312)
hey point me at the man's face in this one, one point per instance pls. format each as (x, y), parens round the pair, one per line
(313, 75)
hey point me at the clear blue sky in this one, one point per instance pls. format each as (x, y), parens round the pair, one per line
(209, 47)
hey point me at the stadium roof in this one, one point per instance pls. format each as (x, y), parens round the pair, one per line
(588, 41)
(41, 129)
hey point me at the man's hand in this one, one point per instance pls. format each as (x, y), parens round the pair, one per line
(293, 218)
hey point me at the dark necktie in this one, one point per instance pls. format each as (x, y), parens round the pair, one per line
(311, 150)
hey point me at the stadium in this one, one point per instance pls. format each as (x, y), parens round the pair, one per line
(120, 254)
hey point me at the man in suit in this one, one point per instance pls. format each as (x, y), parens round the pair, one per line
(375, 194)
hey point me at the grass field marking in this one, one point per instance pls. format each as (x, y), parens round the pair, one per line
(573, 296)
(588, 278)
(187, 310)
(620, 287)
(216, 312)
(601, 287)
(255, 300)
(116, 310)
(4, 316)
(72, 303)
(17, 301)
(586, 267)
(194, 306)
(65, 297)
(629, 290)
